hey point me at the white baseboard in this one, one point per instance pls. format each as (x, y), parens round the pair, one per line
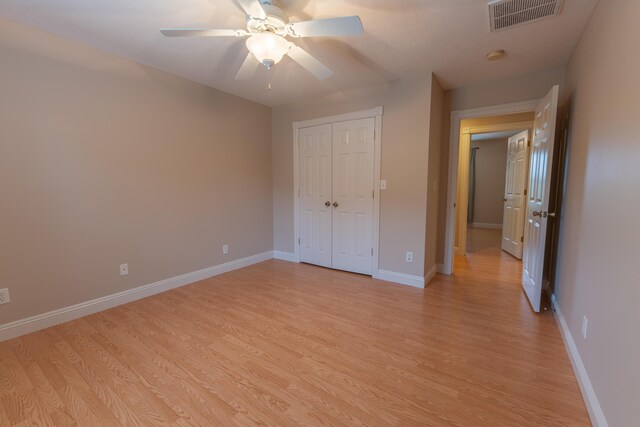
(430, 275)
(55, 317)
(285, 256)
(588, 393)
(485, 225)
(401, 278)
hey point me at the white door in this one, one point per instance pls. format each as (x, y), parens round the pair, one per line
(353, 157)
(336, 171)
(538, 198)
(315, 180)
(514, 194)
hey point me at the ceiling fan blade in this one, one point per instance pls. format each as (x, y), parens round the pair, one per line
(342, 26)
(248, 68)
(201, 32)
(253, 8)
(308, 62)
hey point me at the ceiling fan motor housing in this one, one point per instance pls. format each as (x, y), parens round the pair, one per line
(275, 22)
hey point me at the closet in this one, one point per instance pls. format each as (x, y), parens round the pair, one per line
(336, 195)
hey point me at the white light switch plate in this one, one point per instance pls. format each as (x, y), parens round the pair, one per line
(383, 184)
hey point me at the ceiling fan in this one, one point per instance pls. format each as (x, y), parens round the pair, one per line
(267, 27)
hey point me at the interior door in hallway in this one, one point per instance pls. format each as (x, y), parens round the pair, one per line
(353, 191)
(538, 197)
(315, 180)
(515, 193)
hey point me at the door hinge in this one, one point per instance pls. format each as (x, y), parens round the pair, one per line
(454, 205)
(371, 251)
(373, 194)
(525, 191)
(522, 239)
(298, 241)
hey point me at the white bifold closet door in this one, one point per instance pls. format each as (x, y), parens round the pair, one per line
(336, 167)
(315, 167)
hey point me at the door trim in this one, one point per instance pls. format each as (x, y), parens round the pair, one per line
(454, 150)
(374, 113)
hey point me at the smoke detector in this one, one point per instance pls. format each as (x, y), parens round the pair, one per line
(505, 14)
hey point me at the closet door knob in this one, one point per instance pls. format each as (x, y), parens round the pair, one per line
(335, 204)
(327, 203)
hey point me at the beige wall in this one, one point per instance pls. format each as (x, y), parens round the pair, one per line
(433, 184)
(491, 161)
(522, 88)
(405, 135)
(597, 272)
(104, 161)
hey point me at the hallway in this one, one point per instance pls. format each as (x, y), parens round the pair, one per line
(485, 260)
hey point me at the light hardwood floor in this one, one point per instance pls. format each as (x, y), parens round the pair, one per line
(285, 344)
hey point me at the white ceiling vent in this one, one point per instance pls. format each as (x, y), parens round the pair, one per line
(505, 14)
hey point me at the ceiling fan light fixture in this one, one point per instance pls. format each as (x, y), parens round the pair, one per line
(268, 48)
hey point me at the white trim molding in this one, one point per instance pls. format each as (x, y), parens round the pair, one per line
(374, 113)
(588, 393)
(55, 317)
(486, 225)
(356, 115)
(454, 150)
(430, 274)
(285, 256)
(401, 278)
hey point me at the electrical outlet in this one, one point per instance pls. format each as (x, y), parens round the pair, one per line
(585, 324)
(225, 249)
(409, 256)
(124, 269)
(4, 296)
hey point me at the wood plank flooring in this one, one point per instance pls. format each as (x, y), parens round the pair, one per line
(284, 344)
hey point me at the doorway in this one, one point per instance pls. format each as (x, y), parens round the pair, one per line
(484, 152)
(496, 189)
(540, 204)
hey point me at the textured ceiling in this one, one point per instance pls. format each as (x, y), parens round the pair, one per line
(402, 38)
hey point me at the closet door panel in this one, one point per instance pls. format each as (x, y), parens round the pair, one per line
(353, 164)
(315, 187)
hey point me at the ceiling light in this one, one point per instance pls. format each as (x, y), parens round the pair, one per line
(268, 48)
(494, 55)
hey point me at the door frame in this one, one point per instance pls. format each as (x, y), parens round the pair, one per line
(454, 149)
(373, 113)
(463, 171)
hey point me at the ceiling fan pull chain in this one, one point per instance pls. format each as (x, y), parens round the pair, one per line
(269, 79)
